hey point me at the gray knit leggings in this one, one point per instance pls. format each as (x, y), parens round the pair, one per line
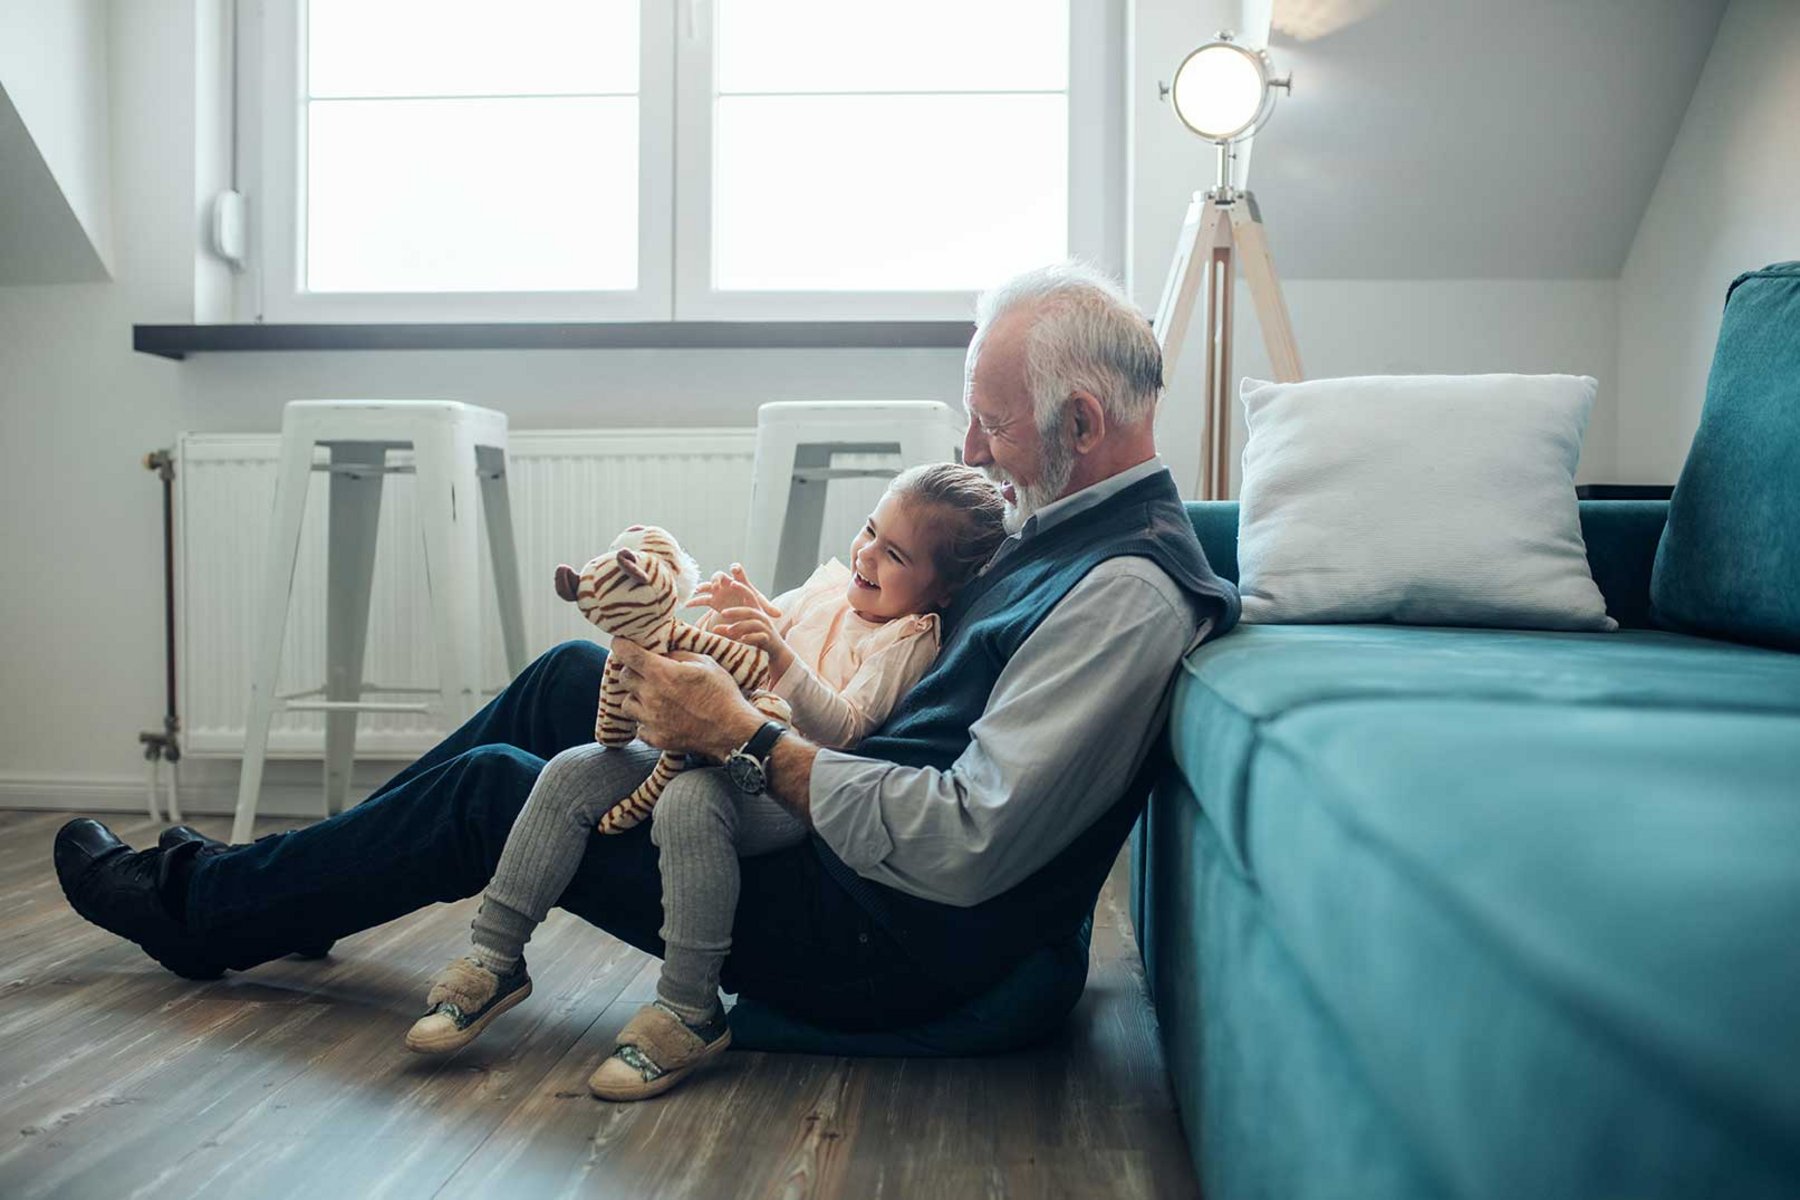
(702, 825)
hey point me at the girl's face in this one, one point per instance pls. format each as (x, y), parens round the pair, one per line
(892, 570)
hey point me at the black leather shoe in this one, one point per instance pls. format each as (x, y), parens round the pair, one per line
(119, 889)
(181, 835)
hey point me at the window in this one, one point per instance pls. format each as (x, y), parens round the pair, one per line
(676, 159)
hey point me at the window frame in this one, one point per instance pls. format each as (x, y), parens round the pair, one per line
(675, 199)
(278, 205)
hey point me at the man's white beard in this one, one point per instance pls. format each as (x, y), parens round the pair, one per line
(1053, 473)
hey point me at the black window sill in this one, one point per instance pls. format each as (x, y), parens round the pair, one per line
(179, 341)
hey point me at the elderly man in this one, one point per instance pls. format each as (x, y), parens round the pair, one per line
(976, 826)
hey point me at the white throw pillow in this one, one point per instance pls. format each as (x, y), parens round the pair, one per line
(1424, 499)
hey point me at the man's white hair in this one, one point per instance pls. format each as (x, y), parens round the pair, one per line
(1086, 337)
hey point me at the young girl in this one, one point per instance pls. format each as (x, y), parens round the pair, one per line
(843, 648)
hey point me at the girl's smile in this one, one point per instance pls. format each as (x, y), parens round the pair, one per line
(892, 572)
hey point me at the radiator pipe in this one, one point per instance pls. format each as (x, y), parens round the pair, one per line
(165, 746)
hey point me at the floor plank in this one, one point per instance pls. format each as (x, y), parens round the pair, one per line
(119, 1080)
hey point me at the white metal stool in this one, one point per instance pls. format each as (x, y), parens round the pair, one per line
(795, 443)
(459, 451)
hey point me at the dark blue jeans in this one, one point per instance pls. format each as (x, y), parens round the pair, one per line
(435, 831)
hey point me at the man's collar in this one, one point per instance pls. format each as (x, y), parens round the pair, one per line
(1058, 511)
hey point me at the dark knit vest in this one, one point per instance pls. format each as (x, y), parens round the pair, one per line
(967, 949)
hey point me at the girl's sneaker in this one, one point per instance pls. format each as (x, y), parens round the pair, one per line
(657, 1050)
(464, 999)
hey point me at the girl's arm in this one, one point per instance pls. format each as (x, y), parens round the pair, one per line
(841, 719)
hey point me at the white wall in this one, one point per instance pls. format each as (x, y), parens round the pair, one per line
(1416, 327)
(1343, 327)
(53, 66)
(1728, 202)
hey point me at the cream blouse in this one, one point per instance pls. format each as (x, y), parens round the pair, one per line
(848, 672)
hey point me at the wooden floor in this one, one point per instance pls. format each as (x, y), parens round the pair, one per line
(119, 1080)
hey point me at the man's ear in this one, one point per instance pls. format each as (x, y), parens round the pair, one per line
(1089, 416)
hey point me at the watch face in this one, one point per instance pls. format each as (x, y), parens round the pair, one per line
(745, 773)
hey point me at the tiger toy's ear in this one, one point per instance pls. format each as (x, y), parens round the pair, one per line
(630, 563)
(651, 543)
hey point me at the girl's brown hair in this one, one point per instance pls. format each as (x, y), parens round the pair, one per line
(974, 516)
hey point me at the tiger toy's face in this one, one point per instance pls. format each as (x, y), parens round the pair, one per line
(633, 590)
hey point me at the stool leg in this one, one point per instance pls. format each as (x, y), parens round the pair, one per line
(447, 502)
(770, 484)
(803, 522)
(295, 473)
(496, 507)
(349, 578)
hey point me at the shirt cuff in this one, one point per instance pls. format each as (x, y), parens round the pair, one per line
(846, 809)
(785, 686)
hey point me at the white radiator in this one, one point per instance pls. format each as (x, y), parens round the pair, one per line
(572, 492)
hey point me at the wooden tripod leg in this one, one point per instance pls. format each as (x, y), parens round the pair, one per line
(1192, 268)
(1265, 290)
(1221, 284)
(1199, 232)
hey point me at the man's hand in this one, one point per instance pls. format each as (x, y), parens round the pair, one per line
(688, 703)
(691, 705)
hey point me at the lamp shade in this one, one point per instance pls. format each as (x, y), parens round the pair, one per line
(1221, 91)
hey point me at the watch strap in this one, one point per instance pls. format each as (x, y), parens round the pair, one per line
(763, 740)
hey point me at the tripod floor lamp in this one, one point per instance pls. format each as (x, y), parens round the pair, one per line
(1223, 92)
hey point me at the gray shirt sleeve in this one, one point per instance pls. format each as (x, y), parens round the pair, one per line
(1070, 719)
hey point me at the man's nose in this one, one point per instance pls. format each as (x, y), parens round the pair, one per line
(975, 447)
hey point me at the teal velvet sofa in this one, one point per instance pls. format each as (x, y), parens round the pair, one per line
(1485, 913)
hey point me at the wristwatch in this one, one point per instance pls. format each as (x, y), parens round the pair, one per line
(748, 766)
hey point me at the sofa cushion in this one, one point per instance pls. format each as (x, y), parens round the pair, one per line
(1531, 917)
(1621, 537)
(1515, 869)
(1425, 499)
(1230, 689)
(1729, 564)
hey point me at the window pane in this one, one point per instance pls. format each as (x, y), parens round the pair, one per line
(472, 195)
(902, 193)
(471, 47)
(918, 45)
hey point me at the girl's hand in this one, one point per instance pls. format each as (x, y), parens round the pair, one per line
(733, 590)
(754, 627)
(743, 581)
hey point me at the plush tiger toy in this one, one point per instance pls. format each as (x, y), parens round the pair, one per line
(632, 592)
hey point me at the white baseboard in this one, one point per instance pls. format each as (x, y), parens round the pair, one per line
(205, 787)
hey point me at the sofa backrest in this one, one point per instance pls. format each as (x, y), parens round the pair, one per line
(1729, 565)
(1621, 537)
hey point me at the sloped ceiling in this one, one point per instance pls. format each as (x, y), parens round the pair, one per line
(42, 240)
(1465, 139)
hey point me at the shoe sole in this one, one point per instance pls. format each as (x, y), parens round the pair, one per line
(457, 1039)
(662, 1083)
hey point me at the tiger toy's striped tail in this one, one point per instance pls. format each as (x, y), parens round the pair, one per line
(632, 591)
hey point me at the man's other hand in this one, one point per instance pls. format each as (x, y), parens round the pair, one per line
(686, 703)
